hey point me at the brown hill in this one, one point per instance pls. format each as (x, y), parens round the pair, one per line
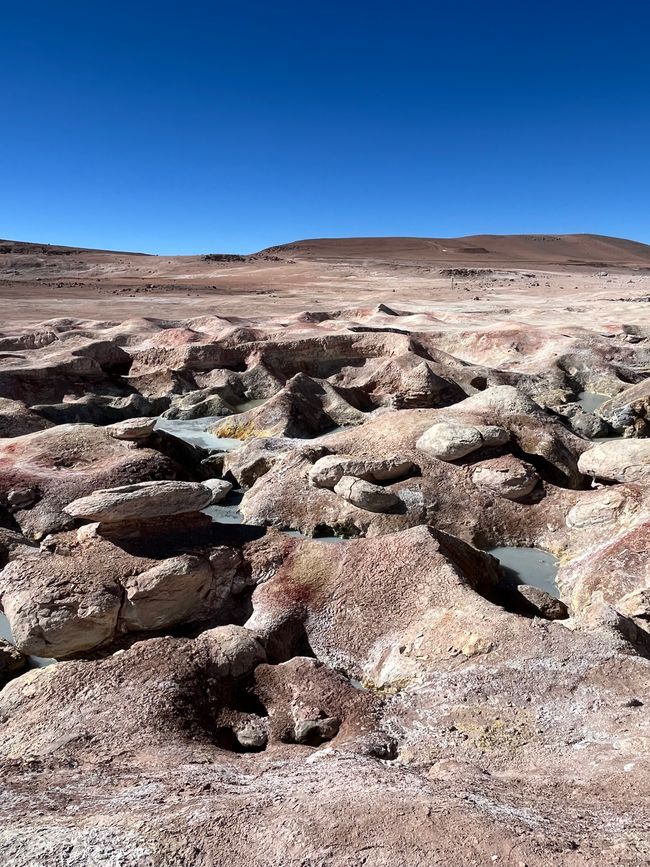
(477, 250)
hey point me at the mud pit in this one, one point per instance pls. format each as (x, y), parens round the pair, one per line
(529, 566)
(252, 533)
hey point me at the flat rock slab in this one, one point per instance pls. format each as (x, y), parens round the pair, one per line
(142, 500)
(132, 429)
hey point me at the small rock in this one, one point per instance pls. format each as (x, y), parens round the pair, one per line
(252, 735)
(315, 731)
(22, 498)
(220, 489)
(636, 603)
(11, 660)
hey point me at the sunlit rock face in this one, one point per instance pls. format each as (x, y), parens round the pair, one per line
(356, 573)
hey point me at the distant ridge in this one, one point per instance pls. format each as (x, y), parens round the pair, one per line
(34, 249)
(588, 250)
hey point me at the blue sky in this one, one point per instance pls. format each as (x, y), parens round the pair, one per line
(198, 127)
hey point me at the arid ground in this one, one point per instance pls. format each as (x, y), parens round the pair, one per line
(333, 554)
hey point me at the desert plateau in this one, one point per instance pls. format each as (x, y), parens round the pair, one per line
(332, 554)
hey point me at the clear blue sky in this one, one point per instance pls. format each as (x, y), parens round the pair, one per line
(230, 126)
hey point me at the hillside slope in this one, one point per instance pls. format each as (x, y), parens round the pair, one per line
(595, 250)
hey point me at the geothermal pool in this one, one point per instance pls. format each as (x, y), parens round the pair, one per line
(529, 566)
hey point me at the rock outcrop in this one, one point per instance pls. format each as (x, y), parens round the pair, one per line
(141, 501)
(617, 461)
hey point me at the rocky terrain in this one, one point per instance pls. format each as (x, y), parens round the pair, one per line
(336, 554)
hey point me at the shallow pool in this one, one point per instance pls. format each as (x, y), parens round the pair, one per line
(529, 566)
(591, 400)
(196, 432)
(250, 404)
(228, 510)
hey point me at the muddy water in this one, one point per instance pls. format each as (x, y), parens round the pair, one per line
(228, 512)
(34, 661)
(529, 566)
(196, 432)
(591, 400)
(250, 404)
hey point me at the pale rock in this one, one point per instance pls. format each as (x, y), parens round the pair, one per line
(220, 489)
(329, 470)
(234, 650)
(625, 460)
(132, 429)
(170, 592)
(365, 495)
(449, 441)
(635, 603)
(141, 501)
(601, 507)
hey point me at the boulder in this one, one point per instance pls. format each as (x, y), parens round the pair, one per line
(624, 460)
(259, 455)
(165, 594)
(506, 476)
(234, 651)
(328, 471)
(596, 508)
(449, 441)
(544, 604)
(141, 501)
(87, 590)
(365, 495)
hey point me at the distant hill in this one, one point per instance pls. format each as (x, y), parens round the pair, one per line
(27, 248)
(477, 250)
